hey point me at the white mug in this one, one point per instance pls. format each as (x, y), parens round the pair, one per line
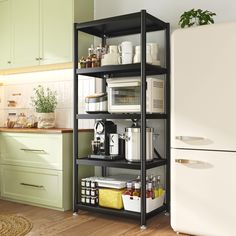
(125, 47)
(137, 56)
(113, 49)
(125, 58)
(154, 50)
(110, 59)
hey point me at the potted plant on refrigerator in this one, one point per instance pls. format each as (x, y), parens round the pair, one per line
(196, 17)
(45, 102)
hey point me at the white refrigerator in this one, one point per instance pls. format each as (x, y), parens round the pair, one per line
(203, 136)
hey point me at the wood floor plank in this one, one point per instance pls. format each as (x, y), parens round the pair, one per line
(48, 222)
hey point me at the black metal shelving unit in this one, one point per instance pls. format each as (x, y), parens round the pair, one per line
(135, 23)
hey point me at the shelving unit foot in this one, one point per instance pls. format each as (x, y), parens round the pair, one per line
(167, 213)
(143, 227)
(75, 213)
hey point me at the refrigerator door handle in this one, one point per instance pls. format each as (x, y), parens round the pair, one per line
(187, 161)
(189, 138)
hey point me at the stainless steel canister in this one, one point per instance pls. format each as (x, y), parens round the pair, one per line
(132, 144)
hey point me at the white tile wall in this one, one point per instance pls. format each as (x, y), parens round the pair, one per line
(20, 89)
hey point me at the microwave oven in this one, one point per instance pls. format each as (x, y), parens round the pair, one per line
(124, 95)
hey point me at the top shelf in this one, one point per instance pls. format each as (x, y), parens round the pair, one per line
(121, 25)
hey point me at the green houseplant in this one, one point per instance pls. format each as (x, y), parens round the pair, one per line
(196, 17)
(45, 102)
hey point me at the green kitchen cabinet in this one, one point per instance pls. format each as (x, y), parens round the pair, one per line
(57, 27)
(5, 32)
(40, 32)
(37, 168)
(25, 20)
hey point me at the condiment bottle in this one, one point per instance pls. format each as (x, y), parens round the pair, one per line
(147, 192)
(150, 190)
(136, 189)
(129, 190)
(157, 187)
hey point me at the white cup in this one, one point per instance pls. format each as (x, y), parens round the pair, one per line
(110, 59)
(125, 47)
(154, 50)
(125, 58)
(113, 49)
(137, 56)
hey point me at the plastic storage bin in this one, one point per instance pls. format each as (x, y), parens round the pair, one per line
(111, 198)
(134, 203)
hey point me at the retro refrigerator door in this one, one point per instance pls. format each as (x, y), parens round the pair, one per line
(204, 87)
(203, 192)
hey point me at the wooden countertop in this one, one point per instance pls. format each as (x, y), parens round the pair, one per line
(46, 131)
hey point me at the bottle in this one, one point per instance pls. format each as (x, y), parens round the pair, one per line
(129, 190)
(136, 189)
(138, 179)
(154, 187)
(157, 189)
(149, 190)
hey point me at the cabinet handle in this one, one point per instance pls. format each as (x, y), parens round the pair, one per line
(37, 58)
(189, 138)
(187, 161)
(40, 58)
(9, 62)
(32, 185)
(33, 150)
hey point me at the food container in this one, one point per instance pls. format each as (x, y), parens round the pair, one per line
(87, 200)
(83, 199)
(88, 192)
(83, 191)
(94, 201)
(134, 203)
(93, 192)
(96, 103)
(111, 198)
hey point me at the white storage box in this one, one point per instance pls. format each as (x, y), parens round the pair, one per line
(134, 203)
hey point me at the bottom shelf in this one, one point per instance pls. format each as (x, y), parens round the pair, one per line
(123, 213)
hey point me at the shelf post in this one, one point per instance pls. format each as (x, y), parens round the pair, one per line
(143, 119)
(168, 111)
(75, 120)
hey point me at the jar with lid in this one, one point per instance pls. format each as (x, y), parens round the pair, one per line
(137, 189)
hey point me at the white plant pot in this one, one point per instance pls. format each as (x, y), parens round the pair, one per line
(46, 120)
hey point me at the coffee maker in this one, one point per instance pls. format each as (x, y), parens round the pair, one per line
(100, 144)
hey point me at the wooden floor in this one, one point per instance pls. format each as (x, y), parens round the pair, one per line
(50, 222)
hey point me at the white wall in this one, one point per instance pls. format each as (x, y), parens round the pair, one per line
(19, 87)
(167, 10)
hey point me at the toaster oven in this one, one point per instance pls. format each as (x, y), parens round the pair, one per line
(124, 95)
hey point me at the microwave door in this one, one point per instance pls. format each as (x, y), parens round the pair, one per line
(124, 97)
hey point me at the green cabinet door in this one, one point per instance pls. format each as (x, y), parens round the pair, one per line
(5, 34)
(25, 15)
(56, 31)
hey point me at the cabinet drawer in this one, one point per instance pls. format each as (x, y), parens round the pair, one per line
(32, 185)
(34, 150)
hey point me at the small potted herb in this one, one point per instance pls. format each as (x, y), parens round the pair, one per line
(196, 17)
(45, 102)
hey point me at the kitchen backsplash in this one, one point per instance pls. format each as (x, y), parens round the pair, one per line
(16, 90)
